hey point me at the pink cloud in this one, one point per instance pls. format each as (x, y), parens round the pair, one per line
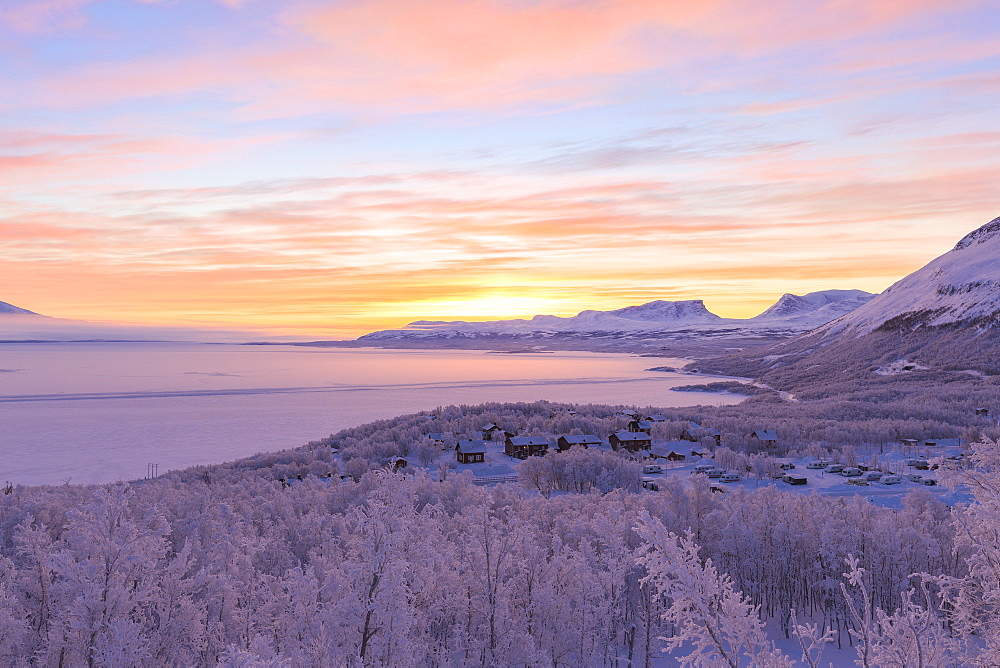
(395, 55)
(43, 15)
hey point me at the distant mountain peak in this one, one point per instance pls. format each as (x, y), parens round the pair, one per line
(793, 305)
(984, 233)
(666, 310)
(6, 308)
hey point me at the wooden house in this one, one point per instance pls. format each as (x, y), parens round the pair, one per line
(493, 432)
(630, 440)
(695, 432)
(470, 452)
(985, 412)
(665, 452)
(643, 426)
(655, 418)
(566, 442)
(436, 438)
(523, 447)
(397, 463)
(908, 442)
(767, 437)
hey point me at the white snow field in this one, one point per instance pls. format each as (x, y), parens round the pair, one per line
(100, 412)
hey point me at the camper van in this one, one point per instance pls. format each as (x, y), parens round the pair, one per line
(652, 468)
(873, 476)
(834, 468)
(851, 472)
(704, 468)
(793, 479)
(818, 464)
(891, 480)
(729, 476)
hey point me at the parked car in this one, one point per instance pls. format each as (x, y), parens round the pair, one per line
(787, 467)
(928, 481)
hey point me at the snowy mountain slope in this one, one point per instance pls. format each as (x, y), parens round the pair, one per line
(944, 317)
(960, 287)
(816, 308)
(6, 308)
(792, 314)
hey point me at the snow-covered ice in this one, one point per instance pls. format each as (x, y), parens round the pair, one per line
(101, 412)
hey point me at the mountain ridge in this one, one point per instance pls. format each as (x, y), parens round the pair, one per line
(798, 313)
(10, 309)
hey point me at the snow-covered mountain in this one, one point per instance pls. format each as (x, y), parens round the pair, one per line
(790, 315)
(960, 287)
(944, 317)
(815, 308)
(6, 308)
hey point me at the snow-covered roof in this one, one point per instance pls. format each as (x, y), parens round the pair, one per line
(528, 440)
(630, 436)
(578, 439)
(471, 447)
(765, 434)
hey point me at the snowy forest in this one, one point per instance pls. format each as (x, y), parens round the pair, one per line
(234, 565)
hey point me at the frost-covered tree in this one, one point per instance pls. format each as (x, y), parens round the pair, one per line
(715, 624)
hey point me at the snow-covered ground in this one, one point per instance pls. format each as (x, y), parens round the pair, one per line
(829, 483)
(101, 412)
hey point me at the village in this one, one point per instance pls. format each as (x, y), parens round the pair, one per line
(498, 452)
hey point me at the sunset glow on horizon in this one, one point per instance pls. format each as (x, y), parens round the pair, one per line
(328, 168)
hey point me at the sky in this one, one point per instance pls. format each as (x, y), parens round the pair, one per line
(328, 168)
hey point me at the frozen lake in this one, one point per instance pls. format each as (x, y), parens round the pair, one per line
(99, 412)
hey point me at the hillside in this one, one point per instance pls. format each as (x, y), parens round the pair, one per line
(943, 318)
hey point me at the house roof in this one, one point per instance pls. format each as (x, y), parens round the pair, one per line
(698, 432)
(642, 424)
(657, 418)
(579, 439)
(765, 434)
(437, 436)
(471, 447)
(630, 436)
(528, 440)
